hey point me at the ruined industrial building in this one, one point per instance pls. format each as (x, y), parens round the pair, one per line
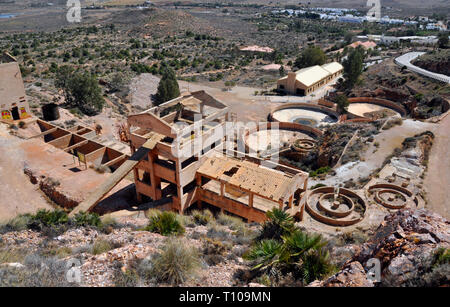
(161, 147)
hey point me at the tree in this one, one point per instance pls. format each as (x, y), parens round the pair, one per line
(353, 66)
(342, 103)
(81, 90)
(168, 88)
(311, 56)
(443, 40)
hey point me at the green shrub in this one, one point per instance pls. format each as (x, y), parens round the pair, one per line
(441, 256)
(202, 217)
(301, 254)
(279, 224)
(214, 251)
(322, 170)
(18, 223)
(87, 219)
(165, 223)
(175, 263)
(49, 218)
(101, 246)
(232, 222)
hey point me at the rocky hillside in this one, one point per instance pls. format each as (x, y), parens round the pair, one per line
(437, 61)
(51, 250)
(413, 249)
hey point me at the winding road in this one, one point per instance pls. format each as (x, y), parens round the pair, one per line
(405, 60)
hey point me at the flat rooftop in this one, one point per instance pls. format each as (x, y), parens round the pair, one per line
(250, 177)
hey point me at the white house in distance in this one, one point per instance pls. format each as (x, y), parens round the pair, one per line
(309, 79)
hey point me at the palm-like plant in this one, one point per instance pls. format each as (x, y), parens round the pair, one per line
(280, 223)
(265, 253)
(297, 252)
(315, 265)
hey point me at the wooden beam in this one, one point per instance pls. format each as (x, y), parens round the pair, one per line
(114, 161)
(44, 133)
(79, 144)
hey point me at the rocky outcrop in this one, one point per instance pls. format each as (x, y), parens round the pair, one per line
(352, 275)
(406, 244)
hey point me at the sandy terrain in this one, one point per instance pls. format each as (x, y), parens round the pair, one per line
(437, 180)
(18, 195)
(361, 108)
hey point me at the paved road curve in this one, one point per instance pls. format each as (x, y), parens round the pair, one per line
(405, 60)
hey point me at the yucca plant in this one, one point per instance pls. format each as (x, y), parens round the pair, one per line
(280, 223)
(297, 252)
(165, 223)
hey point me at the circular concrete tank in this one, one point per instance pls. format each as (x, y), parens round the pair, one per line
(305, 114)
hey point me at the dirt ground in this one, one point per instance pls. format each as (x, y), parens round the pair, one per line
(18, 195)
(437, 179)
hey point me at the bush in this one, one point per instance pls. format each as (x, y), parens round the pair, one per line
(202, 217)
(129, 278)
(165, 223)
(48, 218)
(87, 219)
(214, 251)
(18, 223)
(232, 222)
(300, 253)
(279, 224)
(101, 246)
(175, 263)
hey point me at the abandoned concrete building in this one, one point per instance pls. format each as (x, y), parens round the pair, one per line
(309, 79)
(13, 102)
(178, 160)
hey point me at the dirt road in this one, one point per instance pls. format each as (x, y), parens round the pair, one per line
(437, 180)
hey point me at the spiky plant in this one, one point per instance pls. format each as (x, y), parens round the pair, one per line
(165, 223)
(280, 223)
(176, 262)
(315, 265)
(265, 254)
